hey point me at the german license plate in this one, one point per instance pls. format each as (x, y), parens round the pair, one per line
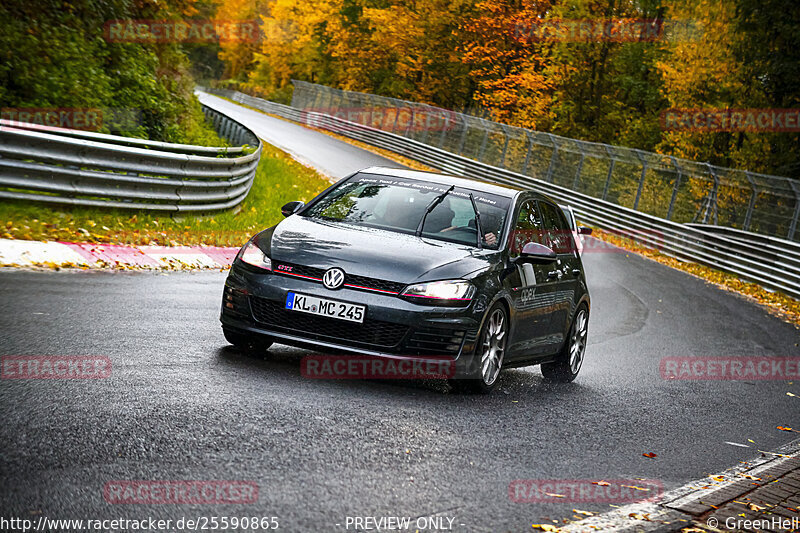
(325, 307)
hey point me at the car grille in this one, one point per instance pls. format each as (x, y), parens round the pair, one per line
(355, 282)
(430, 341)
(369, 333)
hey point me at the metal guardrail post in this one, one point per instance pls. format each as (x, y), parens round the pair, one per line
(483, 143)
(580, 168)
(527, 153)
(551, 167)
(711, 205)
(793, 225)
(396, 117)
(641, 181)
(410, 123)
(445, 128)
(610, 172)
(463, 138)
(425, 126)
(675, 189)
(505, 147)
(748, 217)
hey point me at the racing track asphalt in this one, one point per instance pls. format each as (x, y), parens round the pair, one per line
(330, 156)
(182, 405)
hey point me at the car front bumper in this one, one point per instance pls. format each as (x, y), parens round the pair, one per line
(254, 302)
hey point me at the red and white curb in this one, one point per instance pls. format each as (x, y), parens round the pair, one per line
(88, 255)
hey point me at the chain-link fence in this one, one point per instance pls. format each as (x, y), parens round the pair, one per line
(668, 187)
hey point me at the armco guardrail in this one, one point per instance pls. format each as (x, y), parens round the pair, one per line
(765, 266)
(62, 166)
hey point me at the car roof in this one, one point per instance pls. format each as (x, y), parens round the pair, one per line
(444, 179)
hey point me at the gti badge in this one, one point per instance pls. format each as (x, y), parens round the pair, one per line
(333, 278)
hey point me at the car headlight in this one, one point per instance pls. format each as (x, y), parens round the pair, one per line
(252, 255)
(452, 290)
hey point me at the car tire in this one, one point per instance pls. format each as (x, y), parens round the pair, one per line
(249, 344)
(570, 359)
(489, 353)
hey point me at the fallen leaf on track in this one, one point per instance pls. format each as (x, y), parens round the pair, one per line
(544, 527)
(773, 453)
(650, 455)
(634, 487)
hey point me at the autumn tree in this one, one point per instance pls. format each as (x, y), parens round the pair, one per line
(507, 69)
(606, 86)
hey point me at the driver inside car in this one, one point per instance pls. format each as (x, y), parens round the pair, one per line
(440, 220)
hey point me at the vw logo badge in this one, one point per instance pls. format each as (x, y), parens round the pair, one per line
(333, 278)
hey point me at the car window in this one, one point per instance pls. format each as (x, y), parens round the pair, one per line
(528, 227)
(557, 231)
(396, 204)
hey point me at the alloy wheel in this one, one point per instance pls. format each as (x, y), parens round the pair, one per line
(493, 347)
(578, 341)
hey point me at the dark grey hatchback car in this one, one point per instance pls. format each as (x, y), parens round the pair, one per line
(405, 264)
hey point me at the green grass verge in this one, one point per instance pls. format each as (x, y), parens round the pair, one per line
(279, 179)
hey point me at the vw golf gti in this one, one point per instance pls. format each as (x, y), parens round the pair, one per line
(406, 264)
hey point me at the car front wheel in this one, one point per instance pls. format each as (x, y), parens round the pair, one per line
(489, 353)
(570, 359)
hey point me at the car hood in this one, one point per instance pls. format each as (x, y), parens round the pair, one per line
(370, 252)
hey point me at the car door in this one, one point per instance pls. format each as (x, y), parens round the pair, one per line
(530, 289)
(565, 272)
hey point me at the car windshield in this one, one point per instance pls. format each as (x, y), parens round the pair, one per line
(398, 204)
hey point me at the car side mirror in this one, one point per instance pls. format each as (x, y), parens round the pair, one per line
(583, 230)
(291, 208)
(534, 252)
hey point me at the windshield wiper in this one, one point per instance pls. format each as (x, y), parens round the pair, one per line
(477, 221)
(431, 206)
